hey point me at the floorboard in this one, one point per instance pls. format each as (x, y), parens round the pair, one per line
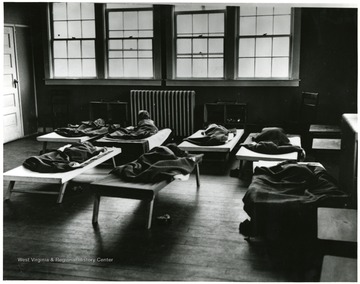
(201, 243)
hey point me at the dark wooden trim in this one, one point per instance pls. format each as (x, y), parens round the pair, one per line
(100, 54)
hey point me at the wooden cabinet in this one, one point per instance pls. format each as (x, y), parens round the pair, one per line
(111, 112)
(230, 115)
(349, 156)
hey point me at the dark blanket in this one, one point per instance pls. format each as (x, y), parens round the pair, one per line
(61, 161)
(283, 199)
(273, 140)
(213, 135)
(161, 163)
(86, 128)
(144, 129)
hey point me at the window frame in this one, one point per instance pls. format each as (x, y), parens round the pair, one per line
(176, 37)
(164, 54)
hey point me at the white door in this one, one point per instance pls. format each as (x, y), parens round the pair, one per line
(12, 122)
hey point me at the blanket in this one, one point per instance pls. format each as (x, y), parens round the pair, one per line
(161, 163)
(283, 199)
(68, 159)
(213, 135)
(86, 128)
(144, 129)
(273, 140)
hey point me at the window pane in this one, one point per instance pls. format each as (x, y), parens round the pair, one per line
(60, 68)
(145, 33)
(145, 54)
(247, 47)
(88, 29)
(216, 68)
(116, 54)
(130, 54)
(59, 11)
(246, 67)
(216, 46)
(200, 24)
(247, 25)
(116, 34)
(282, 25)
(247, 11)
(200, 68)
(116, 68)
(263, 10)
(130, 68)
(145, 43)
(89, 68)
(282, 10)
(87, 11)
(145, 20)
(263, 47)
(60, 30)
(183, 68)
(184, 24)
(200, 46)
(145, 68)
(115, 44)
(130, 44)
(88, 49)
(74, 49)
(73, 11)
(115, 21)
(280, 67)
(60, 50)
(74, 29)
(281, 46)
(264, 25)
(75, 69)
(216, 24)
(183, 46)
(263, 67)
(130, 20)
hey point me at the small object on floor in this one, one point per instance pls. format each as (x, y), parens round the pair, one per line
(245, 228)
(164, 219)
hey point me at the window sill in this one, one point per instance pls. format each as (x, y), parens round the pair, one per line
(234, 83)
(115, 82)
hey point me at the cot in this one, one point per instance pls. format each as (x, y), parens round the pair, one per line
(132, 149)
(62, 178)
(219, 149)
(112, 186)
(54, 137)
(245, 154)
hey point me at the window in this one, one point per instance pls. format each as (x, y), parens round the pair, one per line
(200, 44)
(73, 40)
(130, 43)
(264, 42)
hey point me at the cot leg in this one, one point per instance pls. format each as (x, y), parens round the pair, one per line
(61, 192)
(151, 207)
(96, 209)
(197, 171)
(44, 147)
(9, 189)
(114, 162)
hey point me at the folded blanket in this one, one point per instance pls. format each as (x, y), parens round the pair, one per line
(161, 163)
(61, 161)
(213, 135)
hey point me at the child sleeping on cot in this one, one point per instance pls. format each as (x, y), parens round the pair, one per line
(145, 128)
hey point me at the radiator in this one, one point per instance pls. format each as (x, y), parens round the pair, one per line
(168, 108)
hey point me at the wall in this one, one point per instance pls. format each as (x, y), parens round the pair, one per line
(328, 65)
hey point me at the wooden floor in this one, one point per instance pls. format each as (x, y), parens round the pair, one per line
(43, 240)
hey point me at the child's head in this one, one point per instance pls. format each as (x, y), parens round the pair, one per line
(143, 114)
